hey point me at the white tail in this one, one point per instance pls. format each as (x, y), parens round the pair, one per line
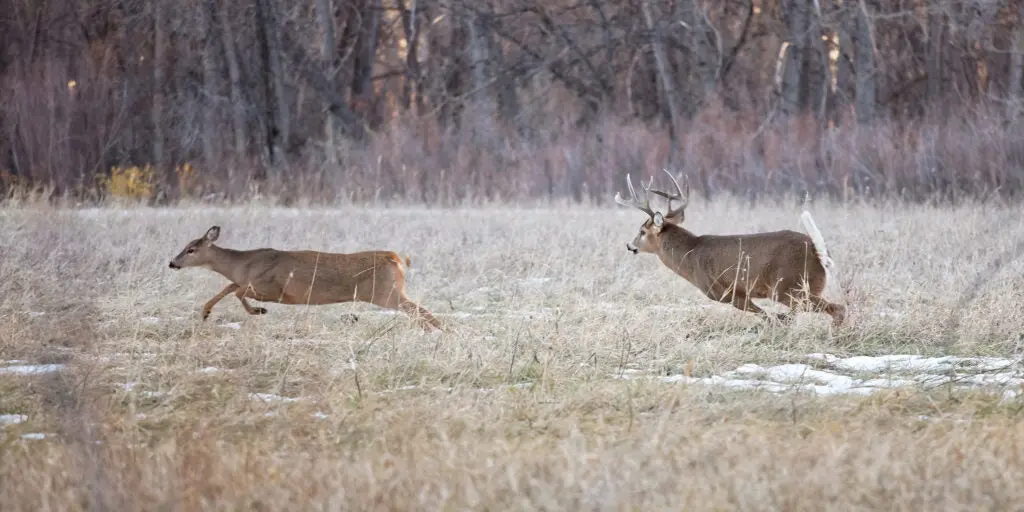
(833, 289)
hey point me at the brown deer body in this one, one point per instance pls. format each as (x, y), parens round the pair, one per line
(304, 277)
(785, 266)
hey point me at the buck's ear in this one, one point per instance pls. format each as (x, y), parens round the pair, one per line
(211, 235)
(659, 220)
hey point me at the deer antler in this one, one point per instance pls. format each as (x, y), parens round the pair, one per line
(678, 196)
(635, 202)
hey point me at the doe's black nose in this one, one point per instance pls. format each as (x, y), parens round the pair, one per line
(171, 264)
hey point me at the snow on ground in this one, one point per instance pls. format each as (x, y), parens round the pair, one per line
(12, 419)
(270, 397)
(30, 369)
(864, 375)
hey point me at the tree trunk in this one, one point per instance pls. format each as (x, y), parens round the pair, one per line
(159, 61)
(480, 66)
(794, 81)
(816, 67)
(668, 82)
(275, 116)
(933, 58)
(865, 66)
(325, 15)
(705, 53)
(234, 84)
(1014, 88)
(844, 68)
(412, 91)
(211, 88)
(364, 56)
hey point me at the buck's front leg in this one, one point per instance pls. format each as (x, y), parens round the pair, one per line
(245, 304)
(223, 293)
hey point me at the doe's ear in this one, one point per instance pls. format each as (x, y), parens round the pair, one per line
(659, 220)
(211, 234)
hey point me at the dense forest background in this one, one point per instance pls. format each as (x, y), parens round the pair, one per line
(446, 100)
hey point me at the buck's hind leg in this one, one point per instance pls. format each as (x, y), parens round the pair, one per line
(836, 311)
(819, 304)
(245, 304)
(743, 302)
(217, 298)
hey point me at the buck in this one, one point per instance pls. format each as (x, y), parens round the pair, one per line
(304, 277)
(784, 266)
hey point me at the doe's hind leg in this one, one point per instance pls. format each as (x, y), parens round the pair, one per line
(395, 299)
(422, 316)
(245, 304)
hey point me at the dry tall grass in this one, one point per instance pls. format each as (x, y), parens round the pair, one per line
(517, 408)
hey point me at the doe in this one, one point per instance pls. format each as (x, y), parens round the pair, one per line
(736, 268)
(304, 277)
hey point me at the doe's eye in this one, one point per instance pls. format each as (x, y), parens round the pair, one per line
(190, 251)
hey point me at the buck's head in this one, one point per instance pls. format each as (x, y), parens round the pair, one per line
(647, 239)
(197, 253)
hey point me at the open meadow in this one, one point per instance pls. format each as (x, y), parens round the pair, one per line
(574, 375)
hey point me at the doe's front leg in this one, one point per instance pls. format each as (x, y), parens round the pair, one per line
(223, 293)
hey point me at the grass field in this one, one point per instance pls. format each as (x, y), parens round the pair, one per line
(575, 376)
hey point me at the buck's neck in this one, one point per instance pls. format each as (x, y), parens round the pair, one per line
(229, 263)
(677, 248)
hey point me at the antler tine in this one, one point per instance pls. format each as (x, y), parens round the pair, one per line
(680, 195)
(635, 201)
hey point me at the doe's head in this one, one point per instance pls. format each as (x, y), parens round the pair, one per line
(197, 253)
(646, 240)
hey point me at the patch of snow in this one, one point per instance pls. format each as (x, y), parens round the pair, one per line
(12, 419)
(319, 415)
(911, 370)
(34, 436)
(150, 320)
(35, 314)
(535, 281)
(209, 369)
(232, 325)
(31, 369)
(15, 361)
(912, 363)
(270, 397)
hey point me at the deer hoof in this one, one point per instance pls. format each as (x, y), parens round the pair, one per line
(259, 311)
(205, 315)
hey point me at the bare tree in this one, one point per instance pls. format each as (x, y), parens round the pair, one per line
(1016, 75)
(211, 82)
(328, 50)
(234, 82)
(668, 82)
(933, 66)
(159, 62)
(865, 65)
(794, 82)
(276, 112)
